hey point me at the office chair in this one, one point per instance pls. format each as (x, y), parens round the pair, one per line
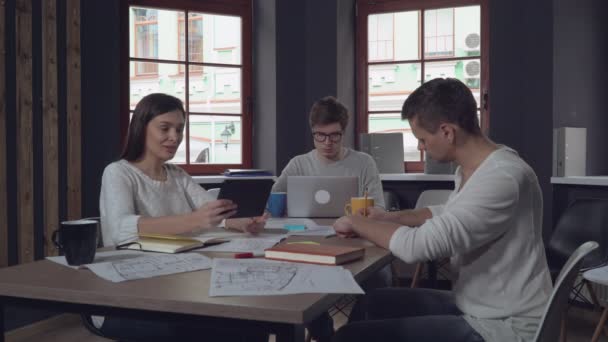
(558, 302)
(428, 198)
(584, 220)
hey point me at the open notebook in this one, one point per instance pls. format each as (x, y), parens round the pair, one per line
(169, 243)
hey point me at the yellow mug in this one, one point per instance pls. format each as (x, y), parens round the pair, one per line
(358, 203)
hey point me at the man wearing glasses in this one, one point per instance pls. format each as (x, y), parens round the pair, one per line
(328, 119)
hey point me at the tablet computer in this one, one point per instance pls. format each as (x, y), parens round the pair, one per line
(250, 195)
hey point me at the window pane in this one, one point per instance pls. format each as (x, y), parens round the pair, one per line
(439, 33)
(390, 85)
(392, 123)
(212, 38)
(153, 33)
(195, 39)
(215, 140)
(468, 71)
(452, 32)
(393, 36)
(216, 90)
(167, 80)
(467, 32)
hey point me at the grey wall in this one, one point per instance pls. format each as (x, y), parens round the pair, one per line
(264, 90)
(580, 52)
(521, 78)
(311, 44)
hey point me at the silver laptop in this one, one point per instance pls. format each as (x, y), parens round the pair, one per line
(320, 196)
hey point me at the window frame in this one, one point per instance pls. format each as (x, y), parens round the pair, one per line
(240, 8)
(365, 8)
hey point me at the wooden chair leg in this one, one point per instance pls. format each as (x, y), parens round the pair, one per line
(417, 273)
(600, 326)
(596, 303)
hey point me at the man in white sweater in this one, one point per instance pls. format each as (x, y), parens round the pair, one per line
(328, 120)
(490, 228)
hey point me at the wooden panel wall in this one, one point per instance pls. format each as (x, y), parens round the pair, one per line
(40, 120)
(25, 155)
(3, 190)
(73, 110)
(50, 119)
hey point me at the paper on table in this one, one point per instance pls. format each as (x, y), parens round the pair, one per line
(254, 244)
(99, 257)
(280, 223)
(150, 265)
(258, 277)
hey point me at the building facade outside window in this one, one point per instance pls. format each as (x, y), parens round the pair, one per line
(211, 74)
(402, 44)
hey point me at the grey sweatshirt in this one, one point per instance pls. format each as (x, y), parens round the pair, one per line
(353, 163)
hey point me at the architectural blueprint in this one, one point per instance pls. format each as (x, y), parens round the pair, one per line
(256, 277)
(150, 265)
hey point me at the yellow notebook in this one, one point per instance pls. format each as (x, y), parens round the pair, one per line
(168, 243)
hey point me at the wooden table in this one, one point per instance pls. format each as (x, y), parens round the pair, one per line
(44, 284)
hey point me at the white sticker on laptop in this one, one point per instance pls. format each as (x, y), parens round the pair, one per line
(322, 197)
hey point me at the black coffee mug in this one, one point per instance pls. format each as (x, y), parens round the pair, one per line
(77, 240)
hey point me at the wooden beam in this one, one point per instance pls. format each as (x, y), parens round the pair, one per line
(50, 135)
(74, 162)
(25, 153)
(3, 189)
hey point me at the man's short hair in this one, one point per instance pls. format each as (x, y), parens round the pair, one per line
(442, 100)
(328, 110)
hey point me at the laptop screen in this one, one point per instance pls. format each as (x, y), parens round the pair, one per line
(319, 196)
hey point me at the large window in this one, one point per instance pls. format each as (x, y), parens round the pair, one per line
(200, 53)
(402, 44)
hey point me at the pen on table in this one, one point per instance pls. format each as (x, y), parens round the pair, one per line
(247, 255)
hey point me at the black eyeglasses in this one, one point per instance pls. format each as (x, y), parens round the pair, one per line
(321, 137)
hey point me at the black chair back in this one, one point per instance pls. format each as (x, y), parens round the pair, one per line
(584, 220)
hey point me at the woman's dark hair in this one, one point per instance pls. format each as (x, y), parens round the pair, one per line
(147, 109)
(442, 100)
(328, 110)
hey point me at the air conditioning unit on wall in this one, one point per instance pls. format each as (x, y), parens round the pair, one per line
(472, 69)
(472, 42)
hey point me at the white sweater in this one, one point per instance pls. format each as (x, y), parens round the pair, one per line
(127, 193)
(491, 227)
(353, 163)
